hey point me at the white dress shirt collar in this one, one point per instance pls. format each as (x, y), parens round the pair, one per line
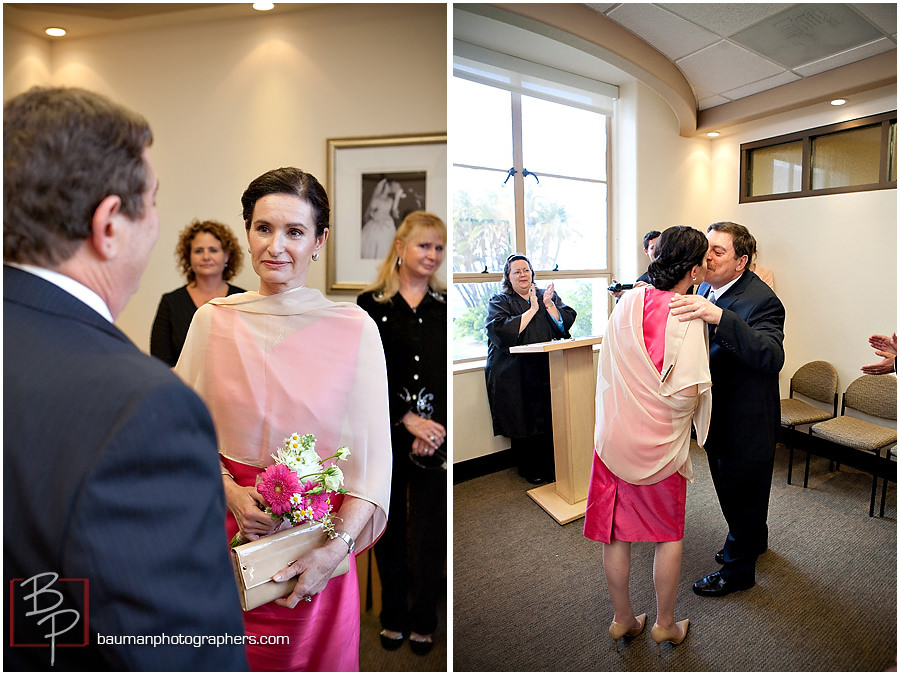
(70, 286)
(723, 289)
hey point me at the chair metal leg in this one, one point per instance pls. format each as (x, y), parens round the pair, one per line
(806, 473)
(874, 492)
(790, 461)
(884, 482)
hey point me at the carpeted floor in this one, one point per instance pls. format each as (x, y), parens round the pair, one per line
(375, 659)
(530, 595)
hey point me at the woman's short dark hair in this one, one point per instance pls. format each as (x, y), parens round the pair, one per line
(678, 249)
(505, 286)
(65, 150)
(288, 181)
(221, 232)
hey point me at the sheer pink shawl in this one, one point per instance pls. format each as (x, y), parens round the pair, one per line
(643, 419)
(269, 366)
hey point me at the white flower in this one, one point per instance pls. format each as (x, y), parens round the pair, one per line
(343, 452)
(334, 478)
(309, 456)
(296, 500)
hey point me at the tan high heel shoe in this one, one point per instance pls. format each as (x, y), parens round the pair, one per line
(660, 635)
(620, 630)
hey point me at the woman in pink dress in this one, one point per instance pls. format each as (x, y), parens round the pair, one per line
(653, 381)
(287, 360)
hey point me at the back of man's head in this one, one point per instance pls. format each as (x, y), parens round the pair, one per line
(64, 151)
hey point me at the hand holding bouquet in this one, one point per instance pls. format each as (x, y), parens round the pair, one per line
(298, 487)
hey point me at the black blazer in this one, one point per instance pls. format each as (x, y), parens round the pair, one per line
(110, 474)
(746, 354)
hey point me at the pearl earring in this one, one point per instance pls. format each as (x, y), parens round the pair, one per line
(399, 262)
(315, 256)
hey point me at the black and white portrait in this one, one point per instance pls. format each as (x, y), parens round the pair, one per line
(387, 198)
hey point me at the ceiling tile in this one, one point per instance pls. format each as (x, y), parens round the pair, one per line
(673, 36)
(711, 102)
(725, 66)
(807, 32)
(882, 14)
(849, 56)
(761, 85)
(601, 6)
(725, 18)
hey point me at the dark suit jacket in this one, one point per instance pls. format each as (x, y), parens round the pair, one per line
(110, 474)
(745, 356)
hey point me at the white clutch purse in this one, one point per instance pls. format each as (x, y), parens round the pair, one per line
(255, 562)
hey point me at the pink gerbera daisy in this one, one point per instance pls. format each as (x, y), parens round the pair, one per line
(276, 487)
(319, 504)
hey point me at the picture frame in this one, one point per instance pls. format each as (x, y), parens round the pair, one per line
(373, 183)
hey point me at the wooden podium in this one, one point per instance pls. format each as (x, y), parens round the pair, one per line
(572, 387)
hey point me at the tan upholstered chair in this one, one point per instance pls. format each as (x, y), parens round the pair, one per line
(817, 380)
(873, 395)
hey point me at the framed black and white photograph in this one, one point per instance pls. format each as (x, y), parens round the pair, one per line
(374, 183)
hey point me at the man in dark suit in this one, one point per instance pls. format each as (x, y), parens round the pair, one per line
(746, 321)
(113, 521)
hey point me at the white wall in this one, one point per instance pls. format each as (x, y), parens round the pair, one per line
(834, 256)
(231, 99)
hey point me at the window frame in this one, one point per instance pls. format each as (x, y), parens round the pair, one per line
(886, 120)
(518, 185)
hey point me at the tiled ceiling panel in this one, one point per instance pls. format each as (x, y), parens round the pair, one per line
(806, 33)
(731, 50)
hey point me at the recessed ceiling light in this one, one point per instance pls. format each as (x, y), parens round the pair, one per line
(713, 134)
(55, 32)
(263, 6)
(839, 101)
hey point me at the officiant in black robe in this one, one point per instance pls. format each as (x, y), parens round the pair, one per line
(518, 385)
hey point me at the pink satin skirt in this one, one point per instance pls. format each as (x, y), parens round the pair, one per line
(321, 635)
(620, 511)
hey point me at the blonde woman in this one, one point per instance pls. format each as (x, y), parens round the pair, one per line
(409, 307)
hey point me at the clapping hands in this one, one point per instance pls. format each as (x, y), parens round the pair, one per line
(885, 347)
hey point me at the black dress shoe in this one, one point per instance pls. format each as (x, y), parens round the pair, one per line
(421, 644)
(537, 480)
(390, 642)
(715, 586)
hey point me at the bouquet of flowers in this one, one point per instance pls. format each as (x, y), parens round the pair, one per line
(298, 486)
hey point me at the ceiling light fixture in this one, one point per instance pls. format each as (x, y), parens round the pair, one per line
(839, 101)
(55, 32)
(713, 134)
(263, 6)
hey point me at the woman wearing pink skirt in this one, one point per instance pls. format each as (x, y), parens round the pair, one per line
(653, 382)
(287, 360)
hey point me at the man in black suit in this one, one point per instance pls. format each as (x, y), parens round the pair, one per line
(746, 321)
(113, 521)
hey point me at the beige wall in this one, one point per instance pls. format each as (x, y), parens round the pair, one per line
(834, 256)
(231, 99)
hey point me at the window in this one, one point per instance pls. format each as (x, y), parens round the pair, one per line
(848, 157)
(529, 174)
